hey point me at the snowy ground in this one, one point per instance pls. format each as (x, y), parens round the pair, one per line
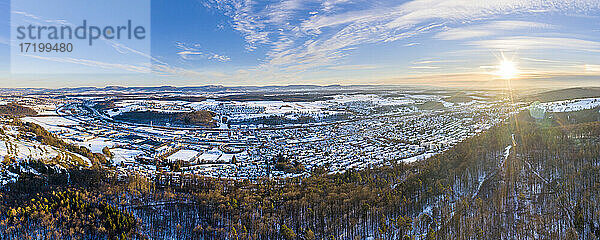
(97, 144)
(571, 105)
(123, 156)
(210, 156)
(417, 157)
(23, 151)
(52, 124)
(183, 155)
(375, 99)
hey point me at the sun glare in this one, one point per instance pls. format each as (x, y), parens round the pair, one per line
(507, 70)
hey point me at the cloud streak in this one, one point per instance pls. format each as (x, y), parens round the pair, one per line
(533, 43)
(194, 52)
(95, 64)
(489, 29)
(352, 67)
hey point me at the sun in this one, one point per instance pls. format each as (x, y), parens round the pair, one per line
(507, 70)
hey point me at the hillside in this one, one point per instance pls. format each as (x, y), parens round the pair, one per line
(195, 118)
(16, 110)
(563, 94)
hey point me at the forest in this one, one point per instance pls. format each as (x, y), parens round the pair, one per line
(13, 109)
(522, 179)
(195, 118)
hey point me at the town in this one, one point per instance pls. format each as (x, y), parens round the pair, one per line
(239, 138)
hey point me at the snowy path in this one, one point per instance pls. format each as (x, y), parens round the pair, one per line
(486, 177)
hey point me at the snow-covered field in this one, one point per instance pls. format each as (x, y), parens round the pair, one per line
(97, 144)
(417, 157)
(210, 156)
(183, 155)
(123, 156)
(571, 105)
(52, 124)
(374, 99)
(51, 121)
(26, 151)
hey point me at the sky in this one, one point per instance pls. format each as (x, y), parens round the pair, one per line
(450, 43)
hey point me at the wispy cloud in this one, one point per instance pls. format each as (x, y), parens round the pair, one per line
(485, 79)
(488, 29)
(411, 44)
(424, 67)
(249, 23)
(153, 65)
(539, 60)
(38, 19)
(528, 43)
(323, 37)
(156, 65)
(352, 67)
(592, 67)
(96, 64)
(118, 47)
(192, 52)
(220, 58)
(429, 61)
(433, 64)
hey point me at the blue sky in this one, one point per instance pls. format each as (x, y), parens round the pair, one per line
(452, 43)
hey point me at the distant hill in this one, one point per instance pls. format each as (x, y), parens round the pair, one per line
(458, 98)
(16, 110)
(564, 94)
(196, 118)
(431, 106)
